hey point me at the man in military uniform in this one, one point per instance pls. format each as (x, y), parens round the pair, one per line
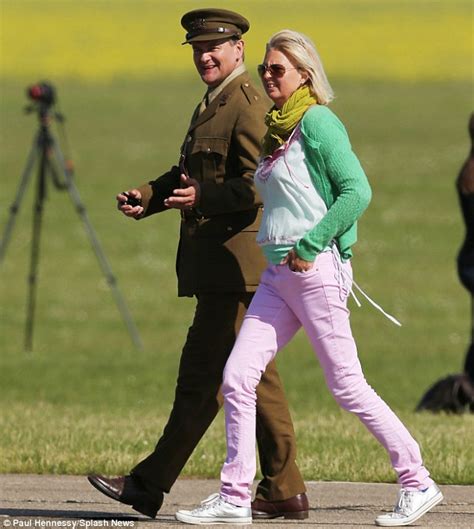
(219, 263)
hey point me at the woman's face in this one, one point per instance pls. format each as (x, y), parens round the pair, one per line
(281, 81)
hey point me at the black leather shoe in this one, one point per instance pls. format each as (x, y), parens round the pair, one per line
(127, 490)
(294, 508)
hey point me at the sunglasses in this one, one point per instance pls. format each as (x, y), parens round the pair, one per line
(277, 70)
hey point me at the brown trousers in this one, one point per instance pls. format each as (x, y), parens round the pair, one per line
(210, 339)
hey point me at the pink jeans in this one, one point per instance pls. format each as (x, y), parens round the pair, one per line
(316, 300)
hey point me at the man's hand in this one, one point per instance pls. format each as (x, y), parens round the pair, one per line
(129, 211)
(295, 263)
(187, 196)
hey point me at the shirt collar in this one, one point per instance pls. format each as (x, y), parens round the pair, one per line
(212, 93)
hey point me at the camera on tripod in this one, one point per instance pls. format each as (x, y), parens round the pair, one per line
(52, 164)
(43, 93)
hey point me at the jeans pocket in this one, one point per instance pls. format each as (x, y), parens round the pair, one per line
(305, 273)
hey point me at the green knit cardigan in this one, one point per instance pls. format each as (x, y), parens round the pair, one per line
(339, 179)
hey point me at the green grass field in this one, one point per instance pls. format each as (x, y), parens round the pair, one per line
(84, 399)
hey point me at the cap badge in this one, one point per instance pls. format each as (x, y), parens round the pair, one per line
(199, 23)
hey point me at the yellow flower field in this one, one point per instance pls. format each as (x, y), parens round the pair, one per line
(98, 40)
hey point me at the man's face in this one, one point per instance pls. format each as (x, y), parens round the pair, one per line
(216, 59)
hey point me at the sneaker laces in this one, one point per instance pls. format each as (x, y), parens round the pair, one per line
(210, 502)
(405, 500)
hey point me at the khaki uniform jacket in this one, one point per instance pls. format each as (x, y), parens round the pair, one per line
(217, 250)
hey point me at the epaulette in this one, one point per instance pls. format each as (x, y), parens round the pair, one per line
(250, 92)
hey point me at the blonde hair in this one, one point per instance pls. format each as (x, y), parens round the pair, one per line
(302, 52)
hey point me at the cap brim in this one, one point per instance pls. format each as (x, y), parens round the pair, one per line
(211, 36)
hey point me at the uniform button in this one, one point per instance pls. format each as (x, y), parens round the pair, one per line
(189, 138)
(208, 149)
(229, 228)
(246, 84)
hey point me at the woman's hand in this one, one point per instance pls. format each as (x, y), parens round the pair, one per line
(295, 263)
(127, 209)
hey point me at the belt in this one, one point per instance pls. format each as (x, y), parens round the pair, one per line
(191, 215)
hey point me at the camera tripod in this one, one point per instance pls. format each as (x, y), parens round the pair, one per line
(46, 150)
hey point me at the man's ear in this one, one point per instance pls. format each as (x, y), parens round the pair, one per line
(240, 45)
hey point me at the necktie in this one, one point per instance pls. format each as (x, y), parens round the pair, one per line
(204, 103)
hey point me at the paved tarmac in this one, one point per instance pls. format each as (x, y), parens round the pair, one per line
(37, 501)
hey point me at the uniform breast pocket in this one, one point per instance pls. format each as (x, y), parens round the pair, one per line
(208, 156)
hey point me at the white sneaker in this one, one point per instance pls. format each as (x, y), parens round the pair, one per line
(411, 505)
(215, 510)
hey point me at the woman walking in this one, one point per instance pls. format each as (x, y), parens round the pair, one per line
(314, 190)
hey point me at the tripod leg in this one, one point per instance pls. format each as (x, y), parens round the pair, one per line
(101, 257)
(35, 246)
(15, 207)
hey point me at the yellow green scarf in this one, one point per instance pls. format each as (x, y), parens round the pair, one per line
(281, 122)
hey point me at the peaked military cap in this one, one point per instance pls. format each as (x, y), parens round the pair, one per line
(213, 24)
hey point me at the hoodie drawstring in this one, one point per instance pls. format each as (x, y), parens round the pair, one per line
(344, 280)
